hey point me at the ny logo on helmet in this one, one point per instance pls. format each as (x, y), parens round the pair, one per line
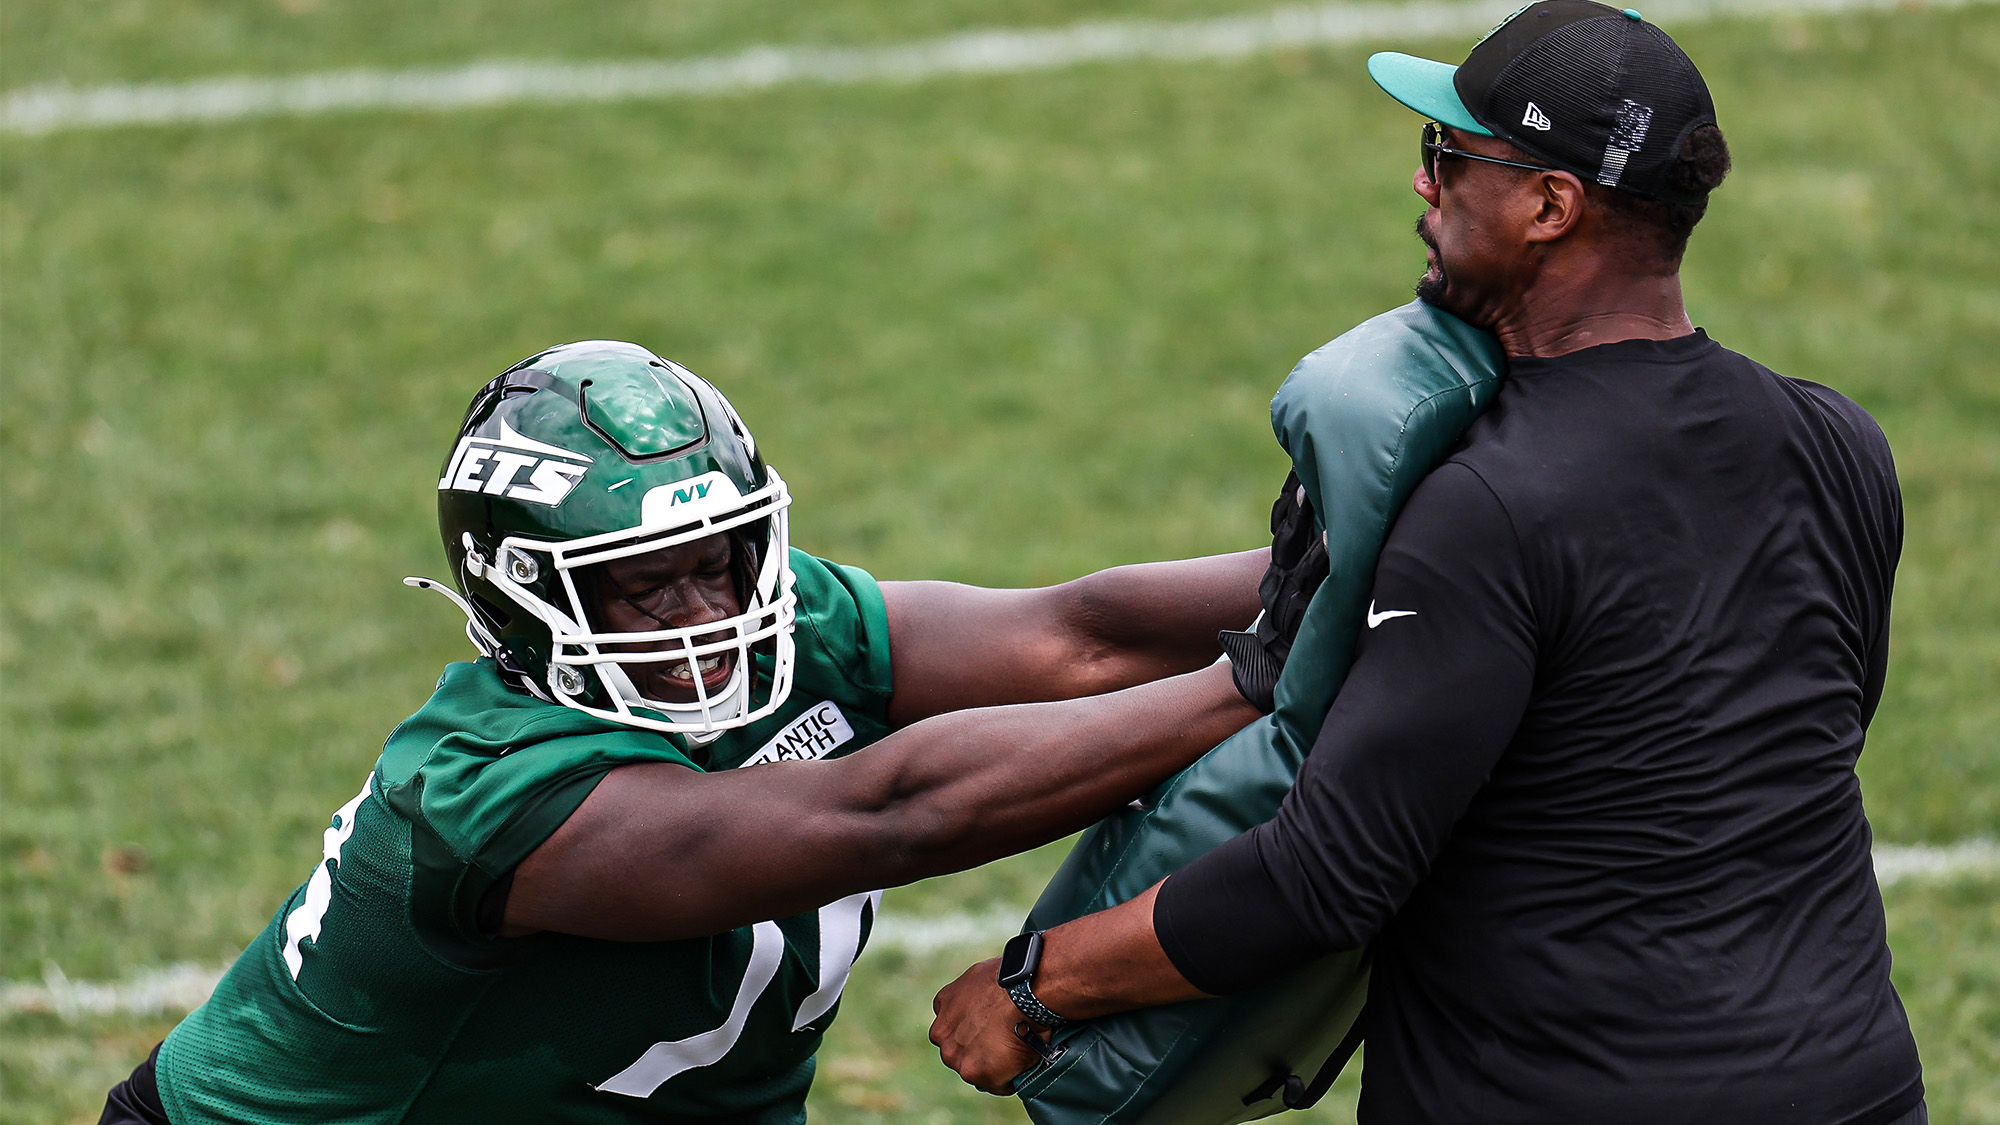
(513, 466)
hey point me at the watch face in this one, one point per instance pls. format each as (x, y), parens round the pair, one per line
(1017, 961)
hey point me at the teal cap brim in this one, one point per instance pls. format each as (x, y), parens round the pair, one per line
(1424, 86)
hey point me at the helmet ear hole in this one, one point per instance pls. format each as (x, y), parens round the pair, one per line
(493, 613)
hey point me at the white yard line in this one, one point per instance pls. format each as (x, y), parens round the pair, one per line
(1895, 863)
(179, 988)
(921, 935)
(55, 108)
(149, 992)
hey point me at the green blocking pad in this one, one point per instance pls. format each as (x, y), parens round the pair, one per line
(1364, 418)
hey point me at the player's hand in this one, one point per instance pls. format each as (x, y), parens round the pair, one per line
(974, 1030)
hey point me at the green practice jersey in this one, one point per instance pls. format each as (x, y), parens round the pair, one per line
(374, 996)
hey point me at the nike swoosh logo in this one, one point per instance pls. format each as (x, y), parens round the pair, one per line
(1375, 619)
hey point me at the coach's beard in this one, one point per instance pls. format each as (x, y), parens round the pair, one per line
(1432, 286)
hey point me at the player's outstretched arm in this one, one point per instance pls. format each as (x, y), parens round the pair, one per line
(659, 851)
(955, 646)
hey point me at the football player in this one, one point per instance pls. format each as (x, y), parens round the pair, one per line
(617, 869)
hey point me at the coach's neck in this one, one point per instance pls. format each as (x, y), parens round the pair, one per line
(1579, 301)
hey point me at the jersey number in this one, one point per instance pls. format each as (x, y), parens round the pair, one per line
(839, 945)
(304, 922)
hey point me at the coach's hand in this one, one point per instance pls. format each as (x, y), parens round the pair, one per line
(974, 1030)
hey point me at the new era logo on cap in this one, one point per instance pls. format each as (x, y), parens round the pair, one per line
(1536, 119)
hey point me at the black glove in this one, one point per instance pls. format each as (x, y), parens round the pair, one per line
(1298, 565)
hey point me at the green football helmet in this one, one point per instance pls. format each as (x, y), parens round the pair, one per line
(598, 451)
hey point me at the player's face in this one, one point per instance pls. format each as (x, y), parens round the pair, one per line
(672, 588)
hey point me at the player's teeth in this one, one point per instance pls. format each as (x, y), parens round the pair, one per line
(707, 664)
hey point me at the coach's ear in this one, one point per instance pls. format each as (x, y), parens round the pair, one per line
(1558, 206)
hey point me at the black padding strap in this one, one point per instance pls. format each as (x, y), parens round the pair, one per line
(1298, 566)
(1252, 665)
(1300, 1094)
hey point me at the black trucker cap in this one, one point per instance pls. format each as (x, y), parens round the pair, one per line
(1586, 87)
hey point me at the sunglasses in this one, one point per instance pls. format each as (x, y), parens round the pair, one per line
(1434, 147)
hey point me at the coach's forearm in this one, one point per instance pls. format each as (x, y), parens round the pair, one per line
(1093, 966)
(1109, 962)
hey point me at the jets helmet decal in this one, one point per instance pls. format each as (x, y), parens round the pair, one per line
(596, 452)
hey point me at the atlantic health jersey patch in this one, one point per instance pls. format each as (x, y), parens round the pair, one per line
(812, 735)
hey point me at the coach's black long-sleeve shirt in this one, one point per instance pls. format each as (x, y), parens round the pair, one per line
(1589, 787)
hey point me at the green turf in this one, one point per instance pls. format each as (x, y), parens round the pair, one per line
(1003, 330)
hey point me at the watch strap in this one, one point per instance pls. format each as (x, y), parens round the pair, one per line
(1023, 995)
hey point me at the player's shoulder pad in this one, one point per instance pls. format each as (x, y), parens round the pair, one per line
(843, 631)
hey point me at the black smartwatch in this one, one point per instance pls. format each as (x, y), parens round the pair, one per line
(1018, 963)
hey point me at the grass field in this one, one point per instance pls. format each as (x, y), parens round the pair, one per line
(1002, 330)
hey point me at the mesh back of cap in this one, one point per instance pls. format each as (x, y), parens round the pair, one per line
(1610, 99)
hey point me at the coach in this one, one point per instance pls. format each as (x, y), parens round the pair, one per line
(1589, 788)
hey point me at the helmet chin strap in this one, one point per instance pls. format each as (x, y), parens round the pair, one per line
(734, 700)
